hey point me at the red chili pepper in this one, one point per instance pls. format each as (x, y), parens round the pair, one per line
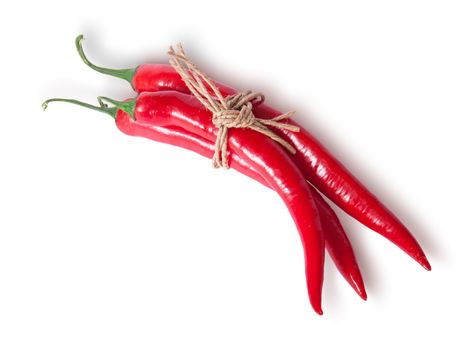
(262, 154)
(319, 167)
(337, 242)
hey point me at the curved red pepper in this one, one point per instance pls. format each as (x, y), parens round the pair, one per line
(320, 167)
(336, 240)
(171, 108)
(265, 156)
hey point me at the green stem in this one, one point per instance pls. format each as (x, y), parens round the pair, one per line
(126, 74)
(126, 106)
(111, 111)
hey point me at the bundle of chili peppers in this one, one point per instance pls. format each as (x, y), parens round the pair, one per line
(167, 109)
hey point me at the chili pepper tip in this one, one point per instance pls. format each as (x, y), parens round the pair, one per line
(362, 293)
(316, 307)
(425, 264)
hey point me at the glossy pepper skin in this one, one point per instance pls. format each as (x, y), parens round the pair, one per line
(336, 240)
(267, 158)
(320, 167)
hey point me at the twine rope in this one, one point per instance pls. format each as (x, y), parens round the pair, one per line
(233, 111)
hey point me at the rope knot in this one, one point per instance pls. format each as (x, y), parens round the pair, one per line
(234, 111)
(239, 113)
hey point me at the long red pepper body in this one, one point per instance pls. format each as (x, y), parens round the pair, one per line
(337, 242)
(320, 167)
(338, 245)
(170, 108)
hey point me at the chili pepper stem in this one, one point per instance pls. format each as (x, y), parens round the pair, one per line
(111, 111)
(126, 74)
(125, 106)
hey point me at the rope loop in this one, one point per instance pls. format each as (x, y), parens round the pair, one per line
(233, 111)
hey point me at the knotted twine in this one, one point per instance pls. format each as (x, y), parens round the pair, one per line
(233, 111)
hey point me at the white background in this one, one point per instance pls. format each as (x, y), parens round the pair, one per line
(112, 242)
